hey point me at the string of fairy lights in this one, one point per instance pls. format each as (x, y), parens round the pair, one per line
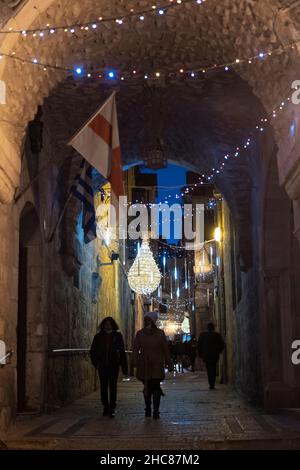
(141, 15)
(163, 206)
(214, 172)
(211, 174)
(179, 287)
(114, 76)
(109, 74)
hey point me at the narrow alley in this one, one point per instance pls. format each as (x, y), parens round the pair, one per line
(149, 223)
(192, 417)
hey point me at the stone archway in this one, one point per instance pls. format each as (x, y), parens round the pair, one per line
(213, 33)
(189, 142)
(218, 33)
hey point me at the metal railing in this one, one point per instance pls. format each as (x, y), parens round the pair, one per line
(65, 351)
(69, 352)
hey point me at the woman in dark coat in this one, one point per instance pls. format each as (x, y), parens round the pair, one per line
(107, 355)
(150, 355)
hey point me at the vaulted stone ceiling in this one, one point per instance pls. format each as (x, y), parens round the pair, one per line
(205, 119)
(8, 8)
(190, 35)
(199, 122)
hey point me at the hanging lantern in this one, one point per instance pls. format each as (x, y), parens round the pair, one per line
(155, 156)
(144, 275)
(203, 268)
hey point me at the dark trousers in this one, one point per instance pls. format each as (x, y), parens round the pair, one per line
(152, 386)
(152, 389)
(211, 368)
(108, 382)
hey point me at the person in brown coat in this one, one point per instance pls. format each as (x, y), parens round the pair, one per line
(150, 355)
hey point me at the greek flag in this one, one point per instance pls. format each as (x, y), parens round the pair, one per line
(84, 191)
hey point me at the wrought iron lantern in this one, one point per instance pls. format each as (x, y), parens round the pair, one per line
(156, 156)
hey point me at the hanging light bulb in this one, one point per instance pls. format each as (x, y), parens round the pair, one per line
(144, 276)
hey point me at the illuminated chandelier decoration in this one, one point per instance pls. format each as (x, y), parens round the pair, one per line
(144, 275)
(174, 323)
(203, 267)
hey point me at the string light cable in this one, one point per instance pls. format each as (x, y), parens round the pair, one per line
(92, 25)
(111, 75)
(209, 176)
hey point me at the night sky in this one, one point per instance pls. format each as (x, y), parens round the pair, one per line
(170, 181)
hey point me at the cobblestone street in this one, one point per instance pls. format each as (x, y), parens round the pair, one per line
(192, 417)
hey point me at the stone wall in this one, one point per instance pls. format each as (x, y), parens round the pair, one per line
(8, 308)
(68, 294)
(261, 301)
(241, 313)
(80, 292)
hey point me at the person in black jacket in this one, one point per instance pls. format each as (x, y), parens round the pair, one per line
(191, 348)
(107, 355)
(210, 346)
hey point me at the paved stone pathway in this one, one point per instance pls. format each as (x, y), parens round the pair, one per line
(192, 417)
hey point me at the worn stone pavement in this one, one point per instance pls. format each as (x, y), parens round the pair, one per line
(192, 417)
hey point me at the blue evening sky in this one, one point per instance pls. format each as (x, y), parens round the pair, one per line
(173, 177)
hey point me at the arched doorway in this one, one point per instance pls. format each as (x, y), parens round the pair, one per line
(30, 328)
(192, 143)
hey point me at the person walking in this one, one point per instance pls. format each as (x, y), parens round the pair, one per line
(192, 351)
(150, 355)
(180, 351)
(210, 346)
(107, 355)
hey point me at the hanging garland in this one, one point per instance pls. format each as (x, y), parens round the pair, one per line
(92, 25)
(214, 172)
(210, 176)
(109, 74)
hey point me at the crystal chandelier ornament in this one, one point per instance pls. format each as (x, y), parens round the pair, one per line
(144, 275)
(203, 268)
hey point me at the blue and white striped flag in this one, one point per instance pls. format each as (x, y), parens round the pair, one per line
(84, 191)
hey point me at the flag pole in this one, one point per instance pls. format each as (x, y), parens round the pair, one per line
(50, 238)
(91, 118)
(62, 213)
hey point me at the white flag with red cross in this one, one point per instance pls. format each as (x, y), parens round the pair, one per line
(98, 142)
